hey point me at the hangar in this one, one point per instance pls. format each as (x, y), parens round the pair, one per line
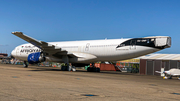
(158, 62)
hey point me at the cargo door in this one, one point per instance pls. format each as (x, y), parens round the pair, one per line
(161, 42)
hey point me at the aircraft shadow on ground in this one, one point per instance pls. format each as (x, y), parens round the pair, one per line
(102, 72)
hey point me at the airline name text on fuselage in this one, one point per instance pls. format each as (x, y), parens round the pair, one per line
(30, 50)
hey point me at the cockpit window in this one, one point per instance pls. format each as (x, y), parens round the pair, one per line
(139, 42)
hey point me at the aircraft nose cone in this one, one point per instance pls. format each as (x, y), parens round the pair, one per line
(13, 53)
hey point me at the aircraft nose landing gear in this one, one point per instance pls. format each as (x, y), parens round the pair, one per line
(68, 67)
(25, 65)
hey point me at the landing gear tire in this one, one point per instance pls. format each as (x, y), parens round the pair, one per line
(25, 65)
(170, 77)
(63, 68)
(89, 69)
(67, 68)
(98, 70)
(73, 68)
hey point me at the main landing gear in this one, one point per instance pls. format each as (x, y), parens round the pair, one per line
(167, 77)
(68, 68)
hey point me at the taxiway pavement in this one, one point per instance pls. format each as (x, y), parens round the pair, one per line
(52, 84)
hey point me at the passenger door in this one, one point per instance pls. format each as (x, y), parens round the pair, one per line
(87, 47)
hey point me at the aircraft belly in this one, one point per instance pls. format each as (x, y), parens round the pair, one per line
(141, 50)
(125, 53)
(103, 51)
(109, 53)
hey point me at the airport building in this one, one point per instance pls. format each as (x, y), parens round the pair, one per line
(130, 65)
(158, 62)
(4, 58)
(3, 55)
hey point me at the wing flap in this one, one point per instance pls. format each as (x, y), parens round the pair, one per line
(84, 56)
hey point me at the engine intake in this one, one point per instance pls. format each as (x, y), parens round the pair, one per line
(35, 58)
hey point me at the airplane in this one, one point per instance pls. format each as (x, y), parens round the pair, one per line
(171, 73)
(81, 53)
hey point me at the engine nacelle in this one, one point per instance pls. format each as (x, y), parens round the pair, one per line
(37, 57)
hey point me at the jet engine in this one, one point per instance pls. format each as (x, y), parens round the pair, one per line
(37, 57)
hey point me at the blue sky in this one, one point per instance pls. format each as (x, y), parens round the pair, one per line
(68, 20)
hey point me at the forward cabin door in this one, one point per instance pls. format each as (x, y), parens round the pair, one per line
(87, 47)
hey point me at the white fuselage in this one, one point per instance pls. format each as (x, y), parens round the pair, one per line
(103, 50)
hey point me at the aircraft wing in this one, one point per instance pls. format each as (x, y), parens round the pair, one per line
(46, 47)
(158, 72)
(53, 50)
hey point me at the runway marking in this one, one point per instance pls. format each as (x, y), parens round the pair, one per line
(176, 93)
(90, 95)
(15, 77)
(153, 85)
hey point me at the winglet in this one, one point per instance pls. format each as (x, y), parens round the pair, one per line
(16, 33)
